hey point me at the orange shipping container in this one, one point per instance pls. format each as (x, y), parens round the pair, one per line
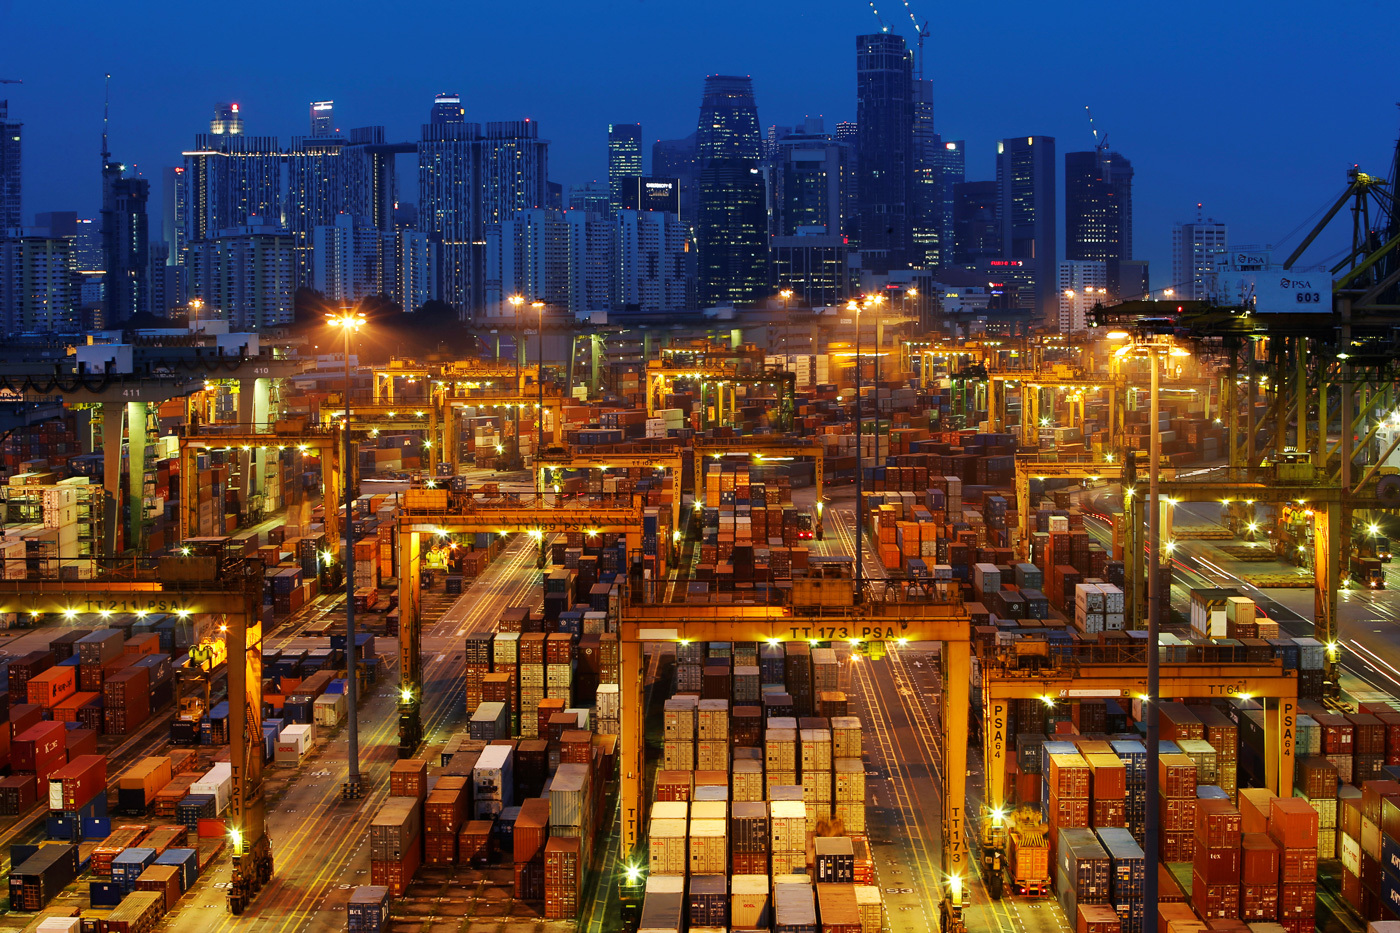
(52, 686)
(147, 776)
(1292, 823)
(142, 645)
(67, 710)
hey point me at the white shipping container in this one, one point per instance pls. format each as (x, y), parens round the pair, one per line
(218, 783)
(292, 745)
(709, 810)
(667, 847)
(849, 780)
(749, 902)
(788, 819)
(330, 710)
(609, 701)
(568, 796)
(670, 810)
(493, 776)
(709, 847)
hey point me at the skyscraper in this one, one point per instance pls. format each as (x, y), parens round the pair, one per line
(589, 196)
(976, 231)
(172, 213)
(1026, 191)
(652, 193)
(950, 158)
(651, 266)
(348, 259)
(1195, 249)
(624, 158)
(885, 156)
(10, 216)
(227, 120)
(590, 276)
(125, 240)
(230, 177)
(447, 108)
(926, 221)
(677, 158)
(319, 190)
(526, 255)
(38, 291)
(1099, 211)
(322, 117)
(1082, 284)
(807, 176)
(732, 224)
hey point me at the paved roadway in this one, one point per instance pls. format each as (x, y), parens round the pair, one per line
(320, 843)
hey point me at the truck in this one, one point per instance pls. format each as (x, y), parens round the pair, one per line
(1028, 859)
(1367, 572)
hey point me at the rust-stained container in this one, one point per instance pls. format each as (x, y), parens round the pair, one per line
(439, 848)
(1317, 777)
(1338, 734)
(409, 778)
(1097, 918)
(52, 686)
(1293, 823)
(165, 881)
(674, 785)
(562, 864)
(1217, 824)
(72, 786)
(446, 807)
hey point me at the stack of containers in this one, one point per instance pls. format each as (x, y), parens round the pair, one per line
(1215, 875)
(1293, 825)
(816, 772)
(1133, 754)
(1067, 804)
(750, 902)
(559, 666)
(848, 767)
(493, 781)
(527, 846)
(444, 811)
(1109, 790)
(477, 659)
(794, 907)
(368, 911)
(780, 753)
(1223, 736)
(1083, 872)
(396, 845)
(749, 838)
(788, 826)
(679, 748)
(663, 908)
(1369, 741)
(1127, 875)
(76, 791)
(712, 728)
(1176, 783)
(1338, 743)
(571, 813)
(563, 877)
(1259, 874)
(533, 688)
(1317, 782)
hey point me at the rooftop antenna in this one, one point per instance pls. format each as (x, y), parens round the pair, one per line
(106, 105)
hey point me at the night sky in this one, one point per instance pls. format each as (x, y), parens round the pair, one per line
(1254, 109)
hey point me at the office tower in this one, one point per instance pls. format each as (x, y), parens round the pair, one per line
(348, 259)
(227, 121)
(813, 266)
(468, 179)
(415, 269)
(1082, 284)
(554, 196)
(949, 155)
(589, 196)
(590, 261)
(10, 133)
(624, 158)
(772, 137)
(1099, 210)
(526, 255)
(807, 175)
(1132, 280)
(926, 217)
(245, 276)
(651, 193)
(318, 192)
(172, 213)
(848, 132)
(651, 265)
(447, 109)
(678, 158)
(976, 227)
(885, 154)
(1026, 195)
(37, 285)
(125, 241)
(166, 291)
(230, 177)
(732, 223)
(323, 118)
(1195, 249)
(87, 251)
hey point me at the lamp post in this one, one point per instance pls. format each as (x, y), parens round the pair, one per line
(786, 295)
(515, 302)
(854, 308)
(539, 375)
(349, 323)
(877, 299)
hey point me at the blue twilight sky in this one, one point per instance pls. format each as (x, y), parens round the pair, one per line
(1254, 109)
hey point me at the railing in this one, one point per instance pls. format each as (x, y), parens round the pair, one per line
(232, 573)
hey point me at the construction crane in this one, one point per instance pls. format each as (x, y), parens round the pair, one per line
(10, 81)
(922, 32)
(884, 27)
(1100, 142)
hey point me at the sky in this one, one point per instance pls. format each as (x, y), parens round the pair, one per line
(1253, 110)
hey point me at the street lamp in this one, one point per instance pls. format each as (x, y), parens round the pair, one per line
(515, 302)
(195, 305)
(854, 308)
(786, 295)
(349, 323)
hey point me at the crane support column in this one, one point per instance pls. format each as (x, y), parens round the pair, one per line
(957, 678)
(1327, 576)
(136, 475)
(252, 852)
(112, 413)
(1280, 731)
(994, 739)
(1300, 380)
(410, 660)
(632, 769)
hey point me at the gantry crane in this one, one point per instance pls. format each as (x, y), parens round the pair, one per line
(764, 447)
(644, 455)
(206, 580)
(720, 379)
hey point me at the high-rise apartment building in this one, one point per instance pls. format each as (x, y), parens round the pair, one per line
(447, 108)
(246, 276)
(319, 190)
(125, 241)
(10, 138)
(415, 272)
(348, 259)
(469, 178)
(230, 177)
(37, 285)
(731, 231)
(1196, 247)
(624, 158)
(976, 228)
(526, 255)
(926, 220)
(172, 213)
(885, 153)
(590, 275)
(1099, 211)
(323, 118)
(589, 196)
(651, 265)
(1026, 192)
(1082, 284)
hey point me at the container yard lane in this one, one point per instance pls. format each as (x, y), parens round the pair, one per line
(318, 842)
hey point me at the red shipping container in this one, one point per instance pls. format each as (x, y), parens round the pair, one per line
(210, 827)
(1214, 901)
(1068, 813)
(24, 717)
(38, 745)
(1108, 813)
(1258, 902)
(5, 736)
(396, 876)
(409, 778)
(1293, 823)
(81, 742)
(1217, 824)
(1177, 846)
(1297, 866)
(1338, 734)
(1217, 865)
(50, 687)
(76, 783)
(531, 829)
(474, 844)
(529, 879)
(1110, 780)
(1368, 736)
(749, 863)
(1179, 814)
(1391, 721)
(124, 716)
(1297, 901)
(1254, 809)
(1259, 859)
(563, 869)
(17, 794)
(1096, 918)
(1372, 795)
(1176, 776)
(440, 848)
(1069, 777)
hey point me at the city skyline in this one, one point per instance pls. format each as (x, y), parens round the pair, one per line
(1178, 163)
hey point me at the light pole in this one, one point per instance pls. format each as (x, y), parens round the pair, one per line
(877, 299)
(854, 308)
(786, 295)
(539, 376)
(349, 323)
(515, 302)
